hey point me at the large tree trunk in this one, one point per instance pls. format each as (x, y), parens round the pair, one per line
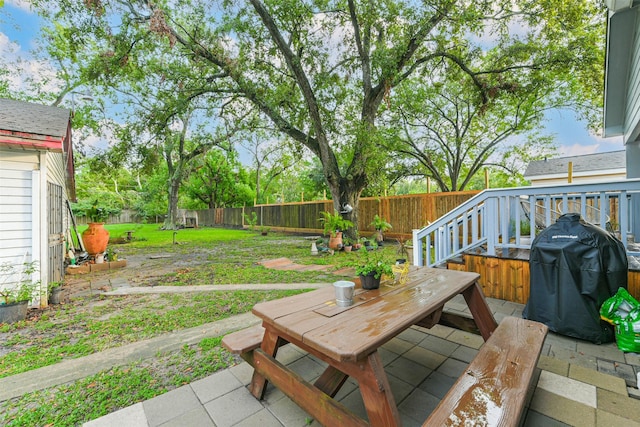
(346, 196)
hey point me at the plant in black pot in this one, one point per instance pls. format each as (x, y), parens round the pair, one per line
(370, 267)
(16, 290)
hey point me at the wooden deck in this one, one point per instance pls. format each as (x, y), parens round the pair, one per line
(507, 278)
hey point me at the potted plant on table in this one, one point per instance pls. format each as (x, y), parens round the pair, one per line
(16, 290)
(370, 267)
(334, 225)
(381, 225)
(96, 237)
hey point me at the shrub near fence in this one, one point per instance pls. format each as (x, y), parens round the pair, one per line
(125, 216)
(405, 213)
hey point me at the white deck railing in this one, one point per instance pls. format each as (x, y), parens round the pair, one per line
(497, 218)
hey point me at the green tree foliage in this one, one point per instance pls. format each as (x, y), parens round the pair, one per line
(219, 180)
(95, 180)
(452, 134)
(324, 73)
(151, 204)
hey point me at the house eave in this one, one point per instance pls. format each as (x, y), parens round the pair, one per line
(11, 138)
(590, 174)
(620, 24)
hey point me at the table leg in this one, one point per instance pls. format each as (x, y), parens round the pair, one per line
(376, 393)
(326, 410)
(431, 320)
(270, 344)
(480, 310)
(331, 381)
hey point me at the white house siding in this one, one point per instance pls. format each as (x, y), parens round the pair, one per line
(56, 174)
(16, 205)
(55, 169)
(602, 176)
(632, 112)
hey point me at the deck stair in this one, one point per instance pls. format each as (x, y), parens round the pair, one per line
(506, 219)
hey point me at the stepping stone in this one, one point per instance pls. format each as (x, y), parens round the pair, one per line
(314, 267)
(347, 271)
(276, 264)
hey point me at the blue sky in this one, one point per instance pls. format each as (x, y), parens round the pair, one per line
(19, 31)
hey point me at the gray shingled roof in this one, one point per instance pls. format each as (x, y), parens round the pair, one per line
(584, 163)
(20, 116)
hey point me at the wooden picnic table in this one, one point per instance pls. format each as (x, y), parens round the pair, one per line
(348, 339)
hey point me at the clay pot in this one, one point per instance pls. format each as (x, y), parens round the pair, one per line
(335, 241)
(95, 238)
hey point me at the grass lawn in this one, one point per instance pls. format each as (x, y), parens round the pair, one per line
(96, 322)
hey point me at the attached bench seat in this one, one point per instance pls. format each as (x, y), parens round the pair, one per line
(244, 341)
(495, 388)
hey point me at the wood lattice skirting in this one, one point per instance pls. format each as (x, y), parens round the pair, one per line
(508, 279)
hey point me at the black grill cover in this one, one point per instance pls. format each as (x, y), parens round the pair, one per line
(575, 267)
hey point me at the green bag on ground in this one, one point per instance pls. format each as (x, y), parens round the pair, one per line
(618, 307)
(628, 333)
(623, 311)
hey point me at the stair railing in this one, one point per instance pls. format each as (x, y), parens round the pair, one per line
(506, 219)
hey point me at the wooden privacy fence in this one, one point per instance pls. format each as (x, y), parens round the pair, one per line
(404, 213)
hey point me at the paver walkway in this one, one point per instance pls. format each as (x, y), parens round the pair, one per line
(581, 384)
(421, 364)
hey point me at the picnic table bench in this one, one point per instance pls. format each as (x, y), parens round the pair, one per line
(494, 388)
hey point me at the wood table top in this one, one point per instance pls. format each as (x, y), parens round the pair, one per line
(351, 333)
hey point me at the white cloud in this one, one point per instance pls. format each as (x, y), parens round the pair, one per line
(20, 4)
(96, 143)
(7, 46)
(597, 145)
(27, 74)
(577, 150)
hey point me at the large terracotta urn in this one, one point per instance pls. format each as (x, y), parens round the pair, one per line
(95, 238)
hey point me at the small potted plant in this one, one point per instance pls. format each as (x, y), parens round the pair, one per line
(16, 290)
(380, 225)
(55, 290)
(334, 225)
(357, 242)
(347, 244)
(370, 267)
